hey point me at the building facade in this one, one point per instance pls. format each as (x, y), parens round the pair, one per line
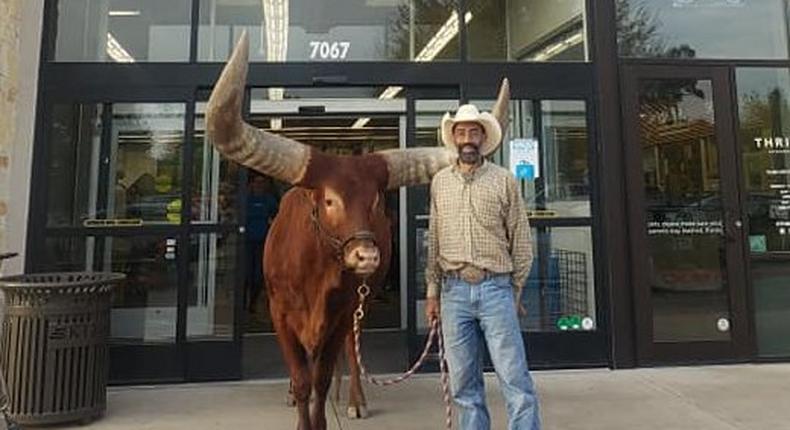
(648, 137)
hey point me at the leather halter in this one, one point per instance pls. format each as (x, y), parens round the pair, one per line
(339, 245)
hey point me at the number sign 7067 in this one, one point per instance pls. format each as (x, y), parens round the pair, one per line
(329, 50)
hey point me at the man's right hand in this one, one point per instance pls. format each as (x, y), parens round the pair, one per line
(432, 309)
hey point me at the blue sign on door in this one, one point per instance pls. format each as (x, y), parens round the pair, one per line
(525, 171)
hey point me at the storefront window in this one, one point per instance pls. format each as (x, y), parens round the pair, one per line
(73, 145)
(123, 31)
(135, 180)
(339, 30)
(214, 279)
(696, 29)
(684, 211)
(144, 305)
(764, 140)
(560, 292)
(526, 30)
(215, 179)
(146, 173)
(558, 184)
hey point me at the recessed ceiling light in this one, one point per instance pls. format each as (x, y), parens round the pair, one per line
(124, 13)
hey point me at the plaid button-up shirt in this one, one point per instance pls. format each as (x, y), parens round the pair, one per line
(480, 219)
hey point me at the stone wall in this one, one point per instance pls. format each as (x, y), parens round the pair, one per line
(10, 19)
(20, 44)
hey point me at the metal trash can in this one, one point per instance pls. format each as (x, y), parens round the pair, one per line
(53, 349)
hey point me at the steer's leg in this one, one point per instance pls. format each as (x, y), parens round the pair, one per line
(357, 405)
(296, 359)
(322, 376)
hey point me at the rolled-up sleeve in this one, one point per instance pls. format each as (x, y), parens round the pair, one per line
(519, 235)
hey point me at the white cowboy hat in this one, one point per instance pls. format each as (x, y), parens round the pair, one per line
(470, 113)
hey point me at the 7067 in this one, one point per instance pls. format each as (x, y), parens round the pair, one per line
(329, 50)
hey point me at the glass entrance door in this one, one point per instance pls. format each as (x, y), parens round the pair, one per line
(117, 179)
(341, 121)
(562, 322)
(687, 239)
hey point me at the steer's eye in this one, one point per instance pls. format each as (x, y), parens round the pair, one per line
(328, 203)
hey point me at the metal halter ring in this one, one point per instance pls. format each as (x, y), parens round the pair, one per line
(363, 290)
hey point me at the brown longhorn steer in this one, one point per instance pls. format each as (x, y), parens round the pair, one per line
(330, 233)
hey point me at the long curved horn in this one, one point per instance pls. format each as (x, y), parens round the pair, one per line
(415, 166)
(500, 110)
(268, 153)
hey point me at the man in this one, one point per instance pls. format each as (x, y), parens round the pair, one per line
(479, 257)
(261, 209)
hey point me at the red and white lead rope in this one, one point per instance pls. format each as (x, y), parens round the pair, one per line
(434, 335)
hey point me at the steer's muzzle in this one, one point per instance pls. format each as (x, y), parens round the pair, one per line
(362, 257)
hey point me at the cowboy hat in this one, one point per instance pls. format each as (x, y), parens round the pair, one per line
(470, 113)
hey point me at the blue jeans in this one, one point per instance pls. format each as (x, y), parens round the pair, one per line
(471, 314)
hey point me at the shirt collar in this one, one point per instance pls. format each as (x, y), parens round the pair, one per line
(475, 174)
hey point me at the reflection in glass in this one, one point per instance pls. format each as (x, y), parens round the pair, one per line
(764, 115)
(566, 173)
(73, 144)
(144, 308)
(214, 279)
(687, 28)
(146, 172)
(428, 116)
(561, 187)
(123, 31)
(560, 292)
(64, 254)
(214, 179)
(144, 305)
(342, 121)
(526, 30)
(686, 242)
(340, 30)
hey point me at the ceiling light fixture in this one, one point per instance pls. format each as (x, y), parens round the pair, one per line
(124, 13)
(275, 23)
(438, 42)
(556, 48)
(116, 51)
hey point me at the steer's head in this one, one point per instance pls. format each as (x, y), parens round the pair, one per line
(349, 206)
(347, 193)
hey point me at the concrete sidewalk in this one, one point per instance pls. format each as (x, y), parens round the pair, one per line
(753, 397)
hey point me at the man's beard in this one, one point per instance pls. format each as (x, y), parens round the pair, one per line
(469, 154)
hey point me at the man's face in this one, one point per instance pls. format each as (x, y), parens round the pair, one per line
(468, 138)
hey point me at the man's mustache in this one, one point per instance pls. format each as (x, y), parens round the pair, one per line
(468, 145)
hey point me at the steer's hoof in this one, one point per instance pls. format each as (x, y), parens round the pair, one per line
(290, 401)
(357, 412)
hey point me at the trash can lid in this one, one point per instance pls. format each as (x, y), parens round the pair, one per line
(61, 280)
